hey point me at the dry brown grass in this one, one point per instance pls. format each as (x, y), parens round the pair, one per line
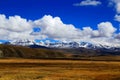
(35, 69)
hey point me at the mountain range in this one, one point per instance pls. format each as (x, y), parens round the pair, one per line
(64, 44)
(74, 50)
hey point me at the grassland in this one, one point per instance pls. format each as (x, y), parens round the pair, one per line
(38, 69)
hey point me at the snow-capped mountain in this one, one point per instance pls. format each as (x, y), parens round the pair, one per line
(77, 45)
(64, 44)
(24, 42)
(87, 45)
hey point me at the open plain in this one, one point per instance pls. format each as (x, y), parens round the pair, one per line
(40, 69)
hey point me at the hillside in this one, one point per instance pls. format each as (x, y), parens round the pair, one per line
(26, 52)
(11, 51)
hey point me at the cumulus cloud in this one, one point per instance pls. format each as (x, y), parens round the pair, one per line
(88, 3)
(106, 29)
(55, 28)
(117, 17)
(15, 27)
(14, 23)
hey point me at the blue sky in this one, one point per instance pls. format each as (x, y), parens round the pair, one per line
(91, 20)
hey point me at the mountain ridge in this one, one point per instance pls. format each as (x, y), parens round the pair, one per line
(65, 44)
(13, 51)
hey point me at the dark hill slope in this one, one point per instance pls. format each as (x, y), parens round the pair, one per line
(26, 52)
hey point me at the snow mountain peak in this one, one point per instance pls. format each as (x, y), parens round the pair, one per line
(64, 44)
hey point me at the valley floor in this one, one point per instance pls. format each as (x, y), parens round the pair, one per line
(38, 69)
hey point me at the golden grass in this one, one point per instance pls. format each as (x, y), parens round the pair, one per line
(36, 69)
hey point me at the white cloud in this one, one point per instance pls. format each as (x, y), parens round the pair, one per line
(86, 32)
(88, 3)
(95, 33)
(117, 36)
(117, 17)
(14, 27)
(55, 28)
(106, 29)
(4, 34)
(118, 7)
(14, 23)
